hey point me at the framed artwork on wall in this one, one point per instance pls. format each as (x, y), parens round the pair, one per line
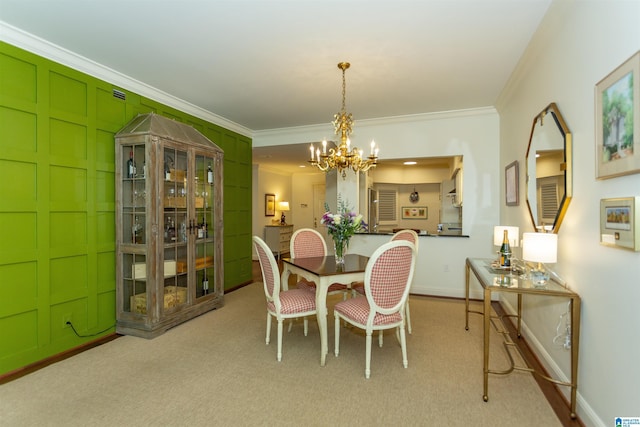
(618, 121)
(511, 183)
(619, 222)
(414, 212)
(269, 204)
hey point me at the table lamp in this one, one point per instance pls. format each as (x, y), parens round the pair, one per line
(513, 235)
(540, 248)
(283, 207)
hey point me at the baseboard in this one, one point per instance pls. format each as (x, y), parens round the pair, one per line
(25, 370)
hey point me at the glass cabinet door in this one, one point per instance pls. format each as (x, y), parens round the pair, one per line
(134, 220)
(134, 283)
(134, 193)
(204, 213)
(175, 221)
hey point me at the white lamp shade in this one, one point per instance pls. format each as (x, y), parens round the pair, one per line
(283, 206)
(513, 234)
(540, 247)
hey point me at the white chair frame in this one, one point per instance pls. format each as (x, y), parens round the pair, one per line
(374, 308)
(268, 263)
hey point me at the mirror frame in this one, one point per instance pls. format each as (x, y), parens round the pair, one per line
(552, 110)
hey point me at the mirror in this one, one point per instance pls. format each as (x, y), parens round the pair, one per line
(549, 175)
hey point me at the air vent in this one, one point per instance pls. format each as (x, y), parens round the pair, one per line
(120, 95)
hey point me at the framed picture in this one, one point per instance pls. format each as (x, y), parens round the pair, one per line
(414, 212)
(618, 121)
(269, 205)
(511, 184)
(619, 222)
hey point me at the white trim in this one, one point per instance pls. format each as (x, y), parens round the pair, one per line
(411, 118)
(41, 47)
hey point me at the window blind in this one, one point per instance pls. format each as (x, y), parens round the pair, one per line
(387, 205)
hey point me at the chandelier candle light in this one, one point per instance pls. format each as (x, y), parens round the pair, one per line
(343, 157)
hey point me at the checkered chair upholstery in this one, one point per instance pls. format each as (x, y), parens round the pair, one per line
(386, 284)
(307, 243)
(281, 304)
(408, 235)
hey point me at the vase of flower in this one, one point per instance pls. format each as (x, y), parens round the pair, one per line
(340, 248)
(341, 226)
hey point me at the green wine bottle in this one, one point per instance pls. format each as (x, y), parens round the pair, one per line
(505, 251)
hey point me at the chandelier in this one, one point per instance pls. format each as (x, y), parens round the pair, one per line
(343, 157)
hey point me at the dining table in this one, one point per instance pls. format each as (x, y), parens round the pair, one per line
(324, 271)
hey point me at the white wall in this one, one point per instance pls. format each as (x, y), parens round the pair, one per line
(472, 134)
(578, 44)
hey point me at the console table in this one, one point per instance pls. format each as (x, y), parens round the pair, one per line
(494, 280)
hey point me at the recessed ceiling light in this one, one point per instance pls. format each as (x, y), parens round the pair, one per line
(410, 163)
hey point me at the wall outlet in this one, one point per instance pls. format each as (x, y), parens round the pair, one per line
(66, 318)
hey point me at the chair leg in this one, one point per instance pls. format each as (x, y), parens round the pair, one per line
(279, 340)
(306, 326)
(337, 334)
(367, 366)
(408, 316)
(290, 325)
(403, 344)
(268, 338)
(380, 338)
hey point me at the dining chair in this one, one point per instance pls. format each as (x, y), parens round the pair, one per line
(306, 243)
(282, 305)
(412, 237)
(386, 284)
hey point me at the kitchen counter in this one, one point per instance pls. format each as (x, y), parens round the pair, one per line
(390, 233)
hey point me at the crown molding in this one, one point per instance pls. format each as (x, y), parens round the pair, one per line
(318, 129)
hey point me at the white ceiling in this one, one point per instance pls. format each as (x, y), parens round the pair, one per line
(273, 64)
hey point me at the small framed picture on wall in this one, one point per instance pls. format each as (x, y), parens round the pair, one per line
(414, 212)
(619, 222)
(511, 184)
(269, 204)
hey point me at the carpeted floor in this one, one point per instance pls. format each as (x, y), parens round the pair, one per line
(217, 370)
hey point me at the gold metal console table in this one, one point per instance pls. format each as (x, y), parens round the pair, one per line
(493, 280)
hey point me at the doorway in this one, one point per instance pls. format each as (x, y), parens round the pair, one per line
(319, 195)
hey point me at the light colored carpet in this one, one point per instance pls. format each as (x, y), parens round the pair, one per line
(217, 370)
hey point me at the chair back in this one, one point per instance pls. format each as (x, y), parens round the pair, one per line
(388, 275)
(408, 235)
(270, 271)
(307, 243)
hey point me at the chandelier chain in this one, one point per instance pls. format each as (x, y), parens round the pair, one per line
(343, 157)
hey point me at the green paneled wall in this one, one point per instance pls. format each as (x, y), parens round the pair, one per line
(57, 202)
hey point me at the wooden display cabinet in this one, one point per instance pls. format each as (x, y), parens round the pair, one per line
(168, 225)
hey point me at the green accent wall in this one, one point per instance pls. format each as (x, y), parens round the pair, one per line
(57, 203)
